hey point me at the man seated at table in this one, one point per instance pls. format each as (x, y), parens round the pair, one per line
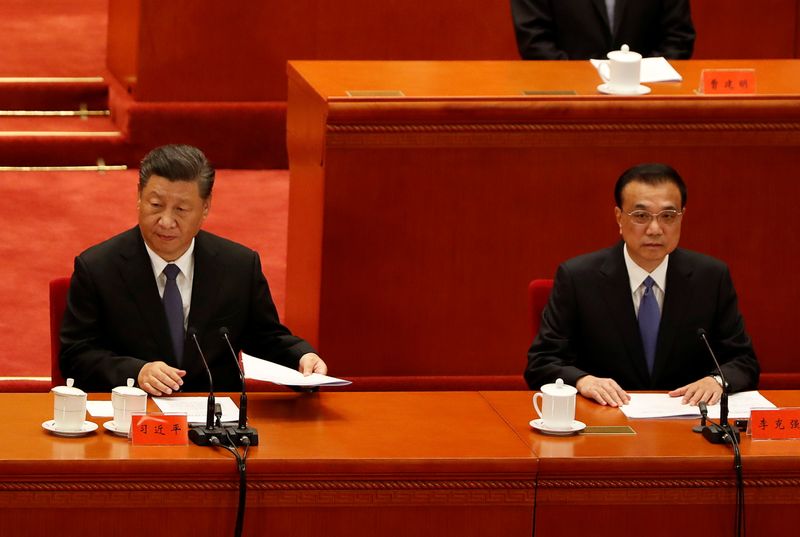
(627, 317)
(134, 297)
(585, 29)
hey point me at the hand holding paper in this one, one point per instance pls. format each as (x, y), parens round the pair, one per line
(258, 369)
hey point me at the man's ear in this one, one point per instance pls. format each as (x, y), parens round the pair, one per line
(618, 217)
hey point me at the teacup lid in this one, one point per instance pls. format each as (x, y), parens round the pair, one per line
(624, 54)
(69, 389)
(558, 388)
(129, 389)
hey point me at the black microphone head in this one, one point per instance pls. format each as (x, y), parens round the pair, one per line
(701, 332)
(223, 331)
(703, 406)
(191, 331)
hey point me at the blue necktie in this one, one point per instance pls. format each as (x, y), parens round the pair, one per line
(173, 307)
(649, 317)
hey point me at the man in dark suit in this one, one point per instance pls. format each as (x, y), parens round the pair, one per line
(585, 29)
(627, 317)
(136, 300)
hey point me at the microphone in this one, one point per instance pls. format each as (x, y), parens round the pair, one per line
(718, 434)
(703, 416)
(198, 434)
(242, 432)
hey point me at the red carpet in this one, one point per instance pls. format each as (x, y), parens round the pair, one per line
(47, 218)
(53, 37)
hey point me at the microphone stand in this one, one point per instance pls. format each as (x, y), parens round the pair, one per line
(242, 431)
(722, 433)
(203, 435)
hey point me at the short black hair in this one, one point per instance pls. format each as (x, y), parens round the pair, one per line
(178, 163)
(652, 173)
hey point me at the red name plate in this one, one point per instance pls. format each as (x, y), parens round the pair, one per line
(777, 423)
(159, 429)
(727, 81)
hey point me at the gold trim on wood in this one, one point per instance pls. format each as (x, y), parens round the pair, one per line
(92, 168)
(50, 79)
(59, 134)
(54, 113)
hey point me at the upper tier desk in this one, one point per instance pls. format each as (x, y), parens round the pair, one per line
(417, 221)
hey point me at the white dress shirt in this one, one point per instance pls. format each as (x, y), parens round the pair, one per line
(184, 279)
(637, 275)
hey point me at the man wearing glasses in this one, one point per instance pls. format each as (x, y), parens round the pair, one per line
(627, 317)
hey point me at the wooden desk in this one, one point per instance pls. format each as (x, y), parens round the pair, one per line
(429, 464)
(664, 481)
(416, 222)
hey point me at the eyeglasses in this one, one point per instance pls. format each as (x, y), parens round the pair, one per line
(667, 217)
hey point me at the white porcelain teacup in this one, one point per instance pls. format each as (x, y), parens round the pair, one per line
(557, 409)
(623, 70)
(127, 400)
(69, 407)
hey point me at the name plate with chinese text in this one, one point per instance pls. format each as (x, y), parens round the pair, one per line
(775, 424)
(727, 81)
(156, 429)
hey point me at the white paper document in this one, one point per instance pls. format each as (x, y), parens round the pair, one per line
(653, 70)
(661, 405)
(258, 369)
(100, 409)
(196, 408)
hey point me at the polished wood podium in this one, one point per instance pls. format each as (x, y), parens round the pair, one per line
(426, 195)
(333, 464)
(401, 463)
(663, 481)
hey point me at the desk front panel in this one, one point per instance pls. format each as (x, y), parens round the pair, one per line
(332, 464)
(664, 480)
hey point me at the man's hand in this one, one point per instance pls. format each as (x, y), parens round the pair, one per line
(311, 363)
(158, 378)
(705, 390)
(604, 391)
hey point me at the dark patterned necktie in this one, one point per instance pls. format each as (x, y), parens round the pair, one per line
(173, 307)
(649, 318)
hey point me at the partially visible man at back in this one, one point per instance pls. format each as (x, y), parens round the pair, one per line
(586, 29)
(134, 297)
(627, 317)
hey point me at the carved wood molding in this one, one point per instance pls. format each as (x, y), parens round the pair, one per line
(145, 486)
(536, 127)
(196, 494)
(665, 483)
(614, 492)
(607, 133)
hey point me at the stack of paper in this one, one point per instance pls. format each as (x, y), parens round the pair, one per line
(661, 405)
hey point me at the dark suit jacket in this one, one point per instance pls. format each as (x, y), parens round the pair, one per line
(115, 323)
(579, 29)
(590, 327)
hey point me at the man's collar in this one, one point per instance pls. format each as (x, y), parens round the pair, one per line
(184, 262)
(637, 274)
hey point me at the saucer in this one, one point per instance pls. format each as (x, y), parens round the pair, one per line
(574, 428)
(112, 428)
(86, 428)
(638, 90)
